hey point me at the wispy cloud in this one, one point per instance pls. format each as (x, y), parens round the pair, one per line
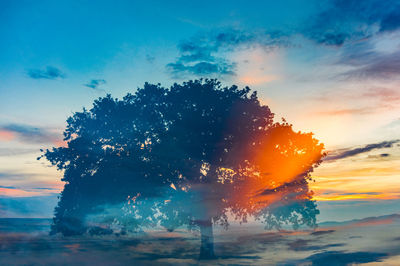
(350, 152)
(15, 151)
(375, 65)
(347, 111)
(49, 73)
(21, 184)
(363, 102)
(28, 134)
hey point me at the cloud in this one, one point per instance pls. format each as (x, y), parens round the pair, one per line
(150, 58)
(27, 190)
(29, 134)
(364, 102)
(202, 68)
(303, 245)
(5, 152)
(49, 73)
(338, 22)
(384, 94)
(9, 187)
(95, 83)
(360, 193)
(14, 176)
(357, 54)
(343, 20)
(342, 258)
(366, 61)
(379, 156)
(348, 111)
(375, 65)
(350, 152)
(19, 184)
(322, 232)
(203, 53)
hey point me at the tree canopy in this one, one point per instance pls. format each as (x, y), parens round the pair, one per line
(197, 153)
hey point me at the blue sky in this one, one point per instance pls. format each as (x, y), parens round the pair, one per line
(330, 67)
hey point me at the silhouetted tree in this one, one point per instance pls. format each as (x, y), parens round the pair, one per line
(195, 154)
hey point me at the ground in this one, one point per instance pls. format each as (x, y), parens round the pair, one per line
(371, 241)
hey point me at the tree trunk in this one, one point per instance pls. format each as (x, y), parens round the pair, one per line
(207, 240)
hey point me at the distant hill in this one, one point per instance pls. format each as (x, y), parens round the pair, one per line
(365, 221)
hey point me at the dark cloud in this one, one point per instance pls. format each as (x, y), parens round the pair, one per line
(350, 23)
(150, 58)
(379, 156)
(322, 232)
(303, 245)
(9, 187)
(201, 55)
(31, 134)
(339, 258)
(343, 20)
(49, 73)
(202, 68)
(345, 153)
(95, 83)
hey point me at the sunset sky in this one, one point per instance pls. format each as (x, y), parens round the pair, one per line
(328, 67)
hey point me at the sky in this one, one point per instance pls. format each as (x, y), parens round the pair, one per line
(329, 67)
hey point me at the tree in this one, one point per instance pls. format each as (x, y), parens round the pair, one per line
(194, 154)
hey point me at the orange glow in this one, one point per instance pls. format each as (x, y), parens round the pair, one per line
(283, 161)
(6, 135)
(356, 196)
